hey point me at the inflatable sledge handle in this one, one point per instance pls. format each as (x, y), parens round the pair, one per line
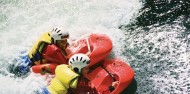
(112, 76)
(88, 44)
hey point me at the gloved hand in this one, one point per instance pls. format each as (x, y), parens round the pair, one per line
(24, 64)
(36, 57)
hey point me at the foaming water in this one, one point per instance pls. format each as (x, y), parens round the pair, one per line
(22, 22)
(160, 58)
(158, 47)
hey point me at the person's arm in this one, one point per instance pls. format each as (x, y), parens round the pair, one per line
(37, 56)
(88, 53)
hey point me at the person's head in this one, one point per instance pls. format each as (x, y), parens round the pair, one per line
(79, 63)
(59, 36)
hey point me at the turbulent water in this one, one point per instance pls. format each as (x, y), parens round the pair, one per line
(151, 35)
(157, 47)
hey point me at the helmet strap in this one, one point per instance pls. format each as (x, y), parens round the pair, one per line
(52, 40)
(76, 70)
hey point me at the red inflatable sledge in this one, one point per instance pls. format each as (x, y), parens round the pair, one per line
(44, 68)
(110, 70)
(100, 46)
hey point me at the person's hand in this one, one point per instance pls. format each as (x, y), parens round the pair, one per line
(114, 84)
(88, 53)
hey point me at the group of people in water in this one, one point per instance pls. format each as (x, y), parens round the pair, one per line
(69, 78)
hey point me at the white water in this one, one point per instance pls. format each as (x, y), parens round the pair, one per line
(22, 22)
(160, 58)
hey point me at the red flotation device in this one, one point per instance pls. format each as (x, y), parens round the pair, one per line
(44, 68)
(108, 71)
(100, 46)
